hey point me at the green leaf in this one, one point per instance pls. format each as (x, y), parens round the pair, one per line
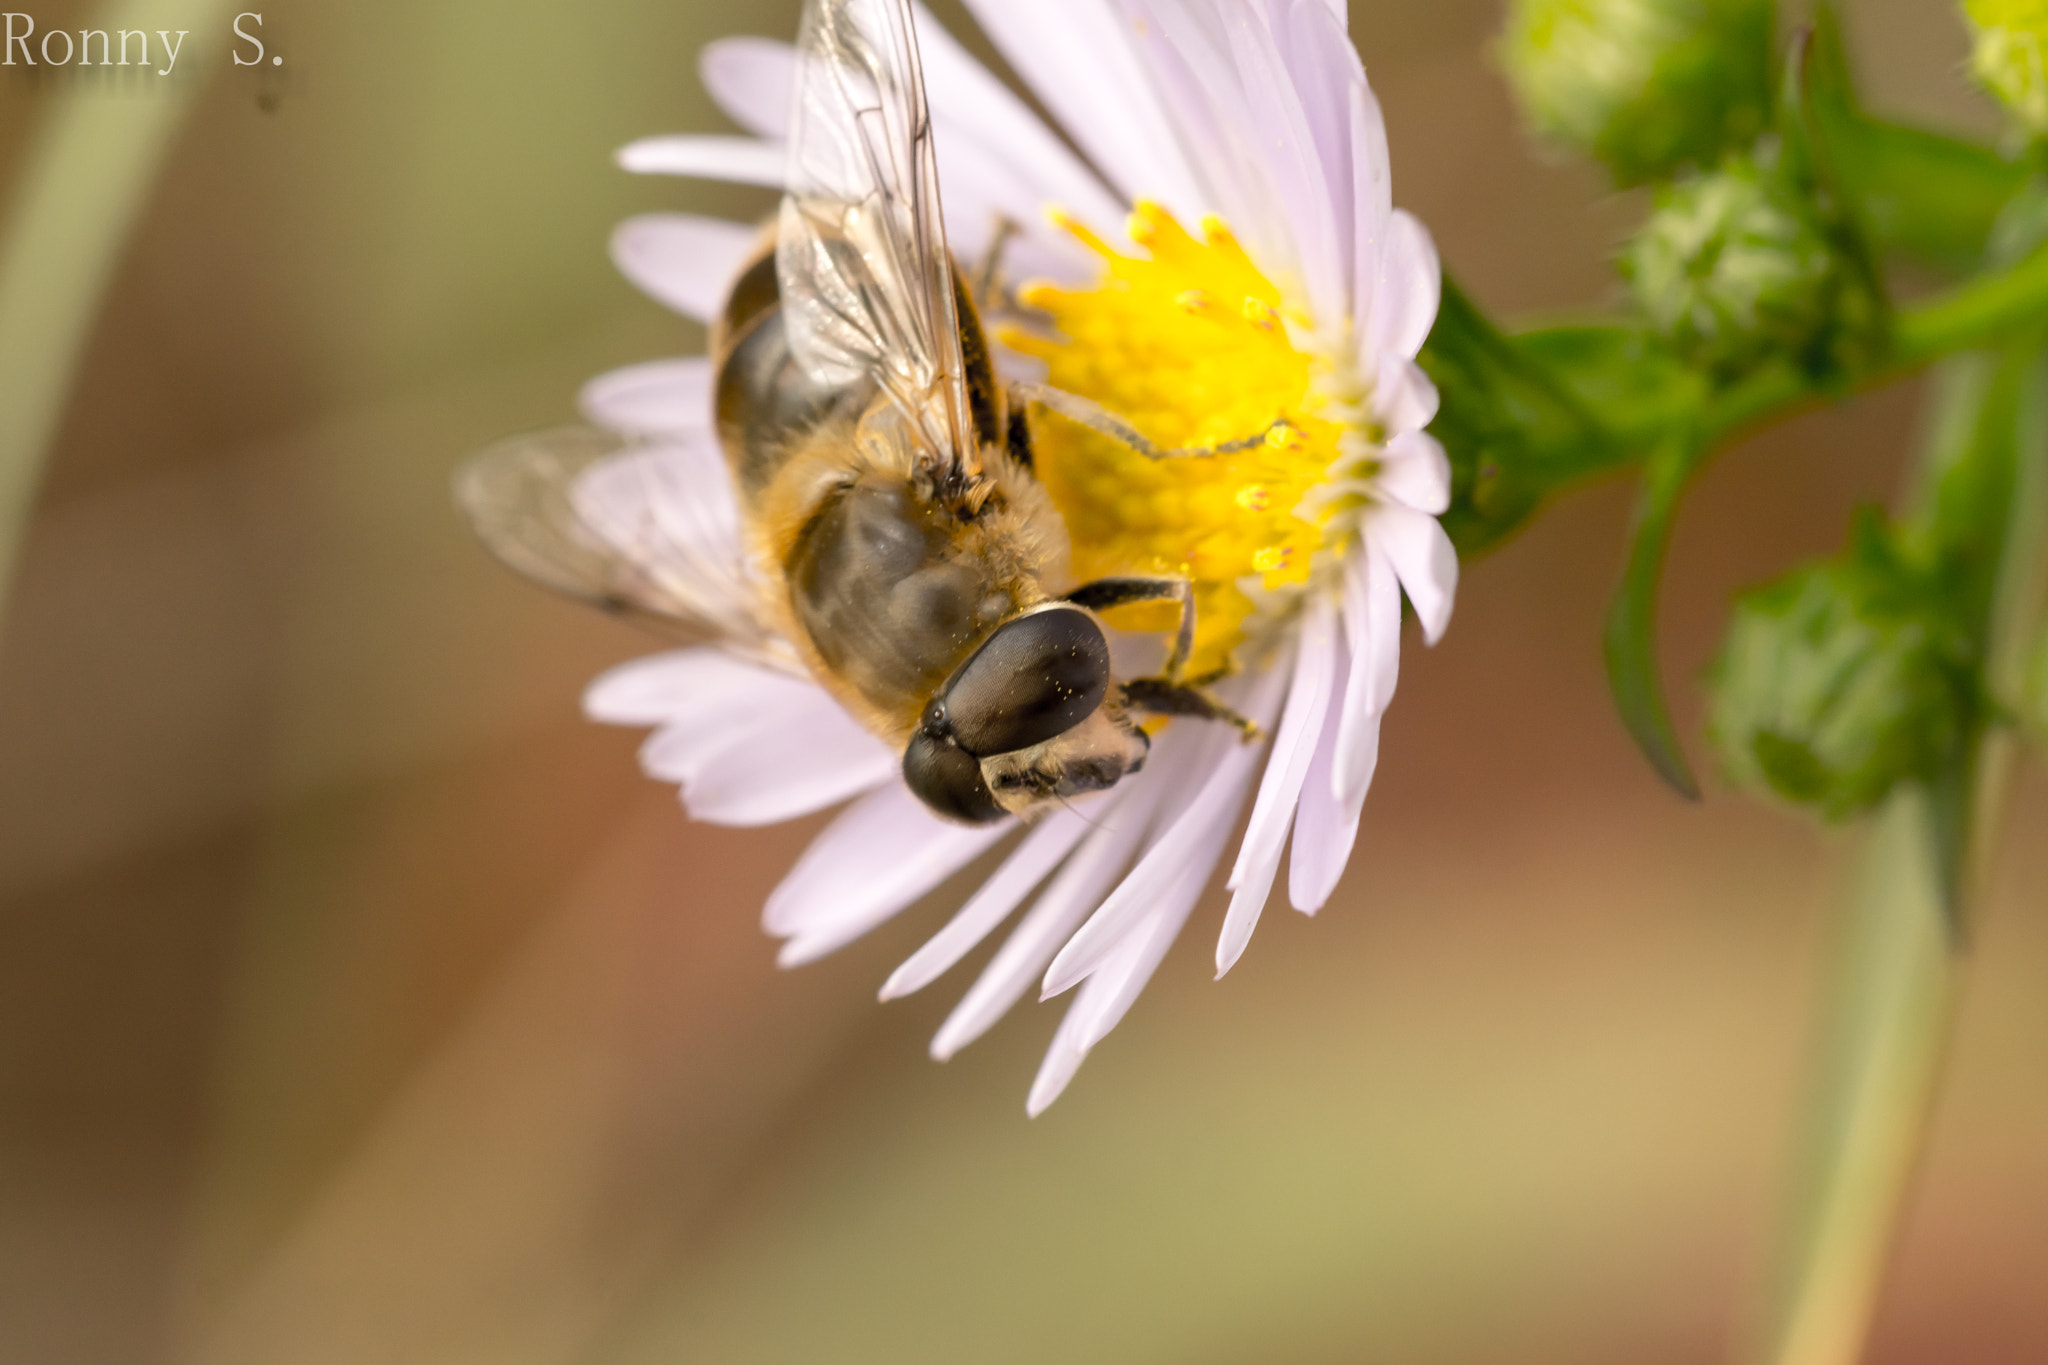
(1916, 193)
(1623, 373)
(1505, 420)
(1631, 635)
(1925, 195)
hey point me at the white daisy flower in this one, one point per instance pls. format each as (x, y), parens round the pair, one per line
(1301, 290)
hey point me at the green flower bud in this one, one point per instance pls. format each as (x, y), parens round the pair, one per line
(1733, 267)
(2012, 39)
(1646, 86)
(1842, 679)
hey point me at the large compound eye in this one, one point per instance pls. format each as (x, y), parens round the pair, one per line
(948, 779)
(1036, 677)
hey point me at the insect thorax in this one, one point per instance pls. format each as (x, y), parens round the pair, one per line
(887, 594)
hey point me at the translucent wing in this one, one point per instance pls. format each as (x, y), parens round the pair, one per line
(860, 255)
(648, 531)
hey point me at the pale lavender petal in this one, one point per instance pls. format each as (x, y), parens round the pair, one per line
(1323, 68)
(1422, 554)
(1291, 159)
(1079, 60)
(1372, 206)
(706, 156)
(736, 707)
(1416, 471)
(1403, 396)
(1217, 778)
(1079, 887)
(753, 80)
(995, 158)
(1078, 1030)
(1265, 835)
(1163, 926)
(1275, 11)
(1187, 50)
(1410, 287)
(980, 191)
(1318, 624)
(1062, 1058)
(658, 688)
(1248, 902)
(747, 745)
(1107, 995)
(682, 260)
(1324, 829)
(1122, 987)
(1372, 625)
(882, 853)
(1215, 801)
(971, 107)
(656, 398)
(788, 768)
(1037, 937)
(1028, 864)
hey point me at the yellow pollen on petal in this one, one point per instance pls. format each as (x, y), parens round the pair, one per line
(1147, 342)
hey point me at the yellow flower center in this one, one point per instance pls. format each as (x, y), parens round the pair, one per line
(1195, 347)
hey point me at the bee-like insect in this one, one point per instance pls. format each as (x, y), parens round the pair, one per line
(884, 474)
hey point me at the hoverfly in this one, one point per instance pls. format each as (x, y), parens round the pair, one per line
(905, 556)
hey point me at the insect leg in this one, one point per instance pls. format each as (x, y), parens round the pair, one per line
(988, 276)
(1105, 593)
(1160, 697)
(1096, 417)
(1168, 694)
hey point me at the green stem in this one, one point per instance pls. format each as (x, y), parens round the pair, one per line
(1887, 1023)
(1976, 314)
(1899, 962)
(1971, 315)
(1982, 312)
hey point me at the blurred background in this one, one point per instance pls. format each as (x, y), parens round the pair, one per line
(360, 1002)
